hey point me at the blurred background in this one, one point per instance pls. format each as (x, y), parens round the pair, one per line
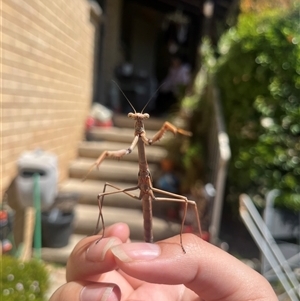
(227, 70)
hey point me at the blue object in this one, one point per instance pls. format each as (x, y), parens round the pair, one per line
(168, 182)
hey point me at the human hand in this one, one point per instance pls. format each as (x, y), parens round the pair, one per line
(115, 269)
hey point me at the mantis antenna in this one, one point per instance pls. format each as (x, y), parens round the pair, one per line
(125, 96)
(129, 100)
(152, 97)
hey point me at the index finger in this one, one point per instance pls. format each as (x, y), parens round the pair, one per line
(207, 270)
(91, 257)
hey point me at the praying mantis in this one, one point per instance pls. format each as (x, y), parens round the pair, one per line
(144, 183)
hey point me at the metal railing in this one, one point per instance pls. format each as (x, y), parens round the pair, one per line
(217, 156)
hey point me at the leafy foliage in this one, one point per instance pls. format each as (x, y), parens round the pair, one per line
(261, 5)
(22, 281)
(258, 72)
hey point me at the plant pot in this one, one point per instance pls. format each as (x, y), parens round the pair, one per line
(66, 201)
(57, 227)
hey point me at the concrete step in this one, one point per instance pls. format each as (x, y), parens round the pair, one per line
(123, 121)
(60, 255)
(123, 135)
(89, 189)
(86, 219)
(85, 222)
(110, 170)
(91, 149)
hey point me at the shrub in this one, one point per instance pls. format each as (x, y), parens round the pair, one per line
(22, 281)
(258, 72)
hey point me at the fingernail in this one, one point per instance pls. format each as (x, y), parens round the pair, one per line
(136, 251)
(100, 292)
(96, 252)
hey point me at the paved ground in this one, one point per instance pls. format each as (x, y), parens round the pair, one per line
(240, 242)
(57, 278)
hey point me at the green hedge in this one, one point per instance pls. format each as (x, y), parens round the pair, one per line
(258, 72)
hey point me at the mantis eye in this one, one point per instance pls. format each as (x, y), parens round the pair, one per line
(130, 115)
(146, 115)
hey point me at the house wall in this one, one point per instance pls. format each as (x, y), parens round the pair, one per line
(47, 68)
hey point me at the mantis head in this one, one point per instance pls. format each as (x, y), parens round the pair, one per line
(136, 115)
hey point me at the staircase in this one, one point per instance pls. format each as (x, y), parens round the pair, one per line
(121, 173)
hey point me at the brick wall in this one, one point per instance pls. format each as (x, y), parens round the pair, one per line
(47, 67)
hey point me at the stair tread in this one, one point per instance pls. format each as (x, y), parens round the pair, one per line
(109, 170)
(152, 123)
(89, 189)
(60, 255)
(93, 149)
(86, 218)
(122, 135)
(120, 164)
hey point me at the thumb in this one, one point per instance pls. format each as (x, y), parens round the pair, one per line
(87, 291)
(207, 270)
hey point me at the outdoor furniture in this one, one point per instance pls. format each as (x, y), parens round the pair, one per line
(284, 226)
(283, 258)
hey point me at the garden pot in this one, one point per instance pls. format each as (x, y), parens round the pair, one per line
(57, 227)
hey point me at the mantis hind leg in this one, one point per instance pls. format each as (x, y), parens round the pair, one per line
(182, 199)
(100, 199)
